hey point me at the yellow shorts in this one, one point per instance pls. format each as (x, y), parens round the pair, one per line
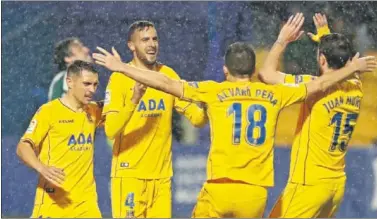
(309, 201)
(85, 209)
(221, 200)
(152, 197)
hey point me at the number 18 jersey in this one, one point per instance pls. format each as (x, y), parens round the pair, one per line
(324, 128)
(243, 117)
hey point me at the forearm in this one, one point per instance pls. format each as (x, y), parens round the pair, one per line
(326, 81)
(269, 72)
(27, 154)
(116, 121)
(153, 79)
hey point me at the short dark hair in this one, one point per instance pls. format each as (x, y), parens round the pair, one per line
(78, 66)
(337, 49)
(138, 25)
(240, 59)
(62, 50)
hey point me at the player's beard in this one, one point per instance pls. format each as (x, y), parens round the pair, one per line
(143, 58)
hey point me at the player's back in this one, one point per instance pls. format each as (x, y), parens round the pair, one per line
(324, 129)
(65, 139)
(243, 116)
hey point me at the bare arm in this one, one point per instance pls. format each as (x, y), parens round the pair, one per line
(154, 79)
(365, 64)
(289, 33)
(26, 153)
(149, 78)
(269, 73)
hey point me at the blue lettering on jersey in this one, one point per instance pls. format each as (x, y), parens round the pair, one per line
(72, 140)
(81, 139)
(142, 106)
(268, 95)
(161, 105)
(89, 139)
(151, 105)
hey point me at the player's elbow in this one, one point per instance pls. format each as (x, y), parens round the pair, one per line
(266, 76)
(20, 149)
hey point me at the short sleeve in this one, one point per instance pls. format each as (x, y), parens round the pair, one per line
(38, 127)
(291, 93)
(197, 91)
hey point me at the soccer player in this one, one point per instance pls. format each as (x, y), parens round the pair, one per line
(59, 145)
(139, 119)
(317, 178)
(243, 117)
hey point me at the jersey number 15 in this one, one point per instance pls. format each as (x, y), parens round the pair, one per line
(342, 130)
(253, 123)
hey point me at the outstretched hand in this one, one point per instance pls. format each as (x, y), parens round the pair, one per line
(320, 22)
(111, 61)
(364, 64)
(291, 30)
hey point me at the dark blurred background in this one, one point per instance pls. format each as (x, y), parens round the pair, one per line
(193, 37)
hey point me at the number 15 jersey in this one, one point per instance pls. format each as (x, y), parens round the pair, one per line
(324, 128)
(243, 117)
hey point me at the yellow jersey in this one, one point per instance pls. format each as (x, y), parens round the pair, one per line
(65, 139)
(143, 148)
(324, 128)
(243, 117)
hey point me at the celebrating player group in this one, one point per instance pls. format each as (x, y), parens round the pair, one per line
(59, 142)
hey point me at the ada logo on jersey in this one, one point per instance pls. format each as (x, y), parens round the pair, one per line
(107, 97)
(80, 139)
(32, 126)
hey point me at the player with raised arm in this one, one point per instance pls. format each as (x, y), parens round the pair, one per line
(243, 116)
(139, 119)
(59, 145)
(317, 177)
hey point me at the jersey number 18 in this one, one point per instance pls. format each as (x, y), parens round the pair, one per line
(253, 123)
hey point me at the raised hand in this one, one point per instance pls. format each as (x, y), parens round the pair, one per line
(291, 30)
(320, 22)
(111, 61)
(139, 90)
